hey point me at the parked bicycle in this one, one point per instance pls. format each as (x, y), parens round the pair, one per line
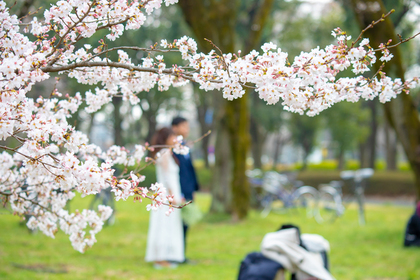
(281, 192)
(330, 205)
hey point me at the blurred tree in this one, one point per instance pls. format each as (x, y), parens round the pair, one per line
(205, 110)
(262, 123)
(348, 124)
(368, 149)
(303, 132)
(168, 24)
(218, 21)
(165, 24)
(153, 102)
(401, 111)
(299, 30)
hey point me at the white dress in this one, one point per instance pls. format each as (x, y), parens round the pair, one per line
(165, 240)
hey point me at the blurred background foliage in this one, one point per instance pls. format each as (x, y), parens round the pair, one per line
(346, 136)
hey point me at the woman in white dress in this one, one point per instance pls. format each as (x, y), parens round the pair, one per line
(165, 242)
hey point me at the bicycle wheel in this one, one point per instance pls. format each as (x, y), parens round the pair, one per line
(360, 197)
(306, 198)
(329, 205)
(266, 203)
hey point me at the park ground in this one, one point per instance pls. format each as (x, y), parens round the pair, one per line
(216, 245)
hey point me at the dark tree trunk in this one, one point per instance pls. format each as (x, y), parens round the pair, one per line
(401, 112)
(90, 124)
(363, 155)
(307, 145)
(371, 143)
(391, 147)
(341, 160)
(258, 137)
(203, 105)
(205, 143)
(278, 145)
(151, 124)
(238, 128)
(221, 173)
(118, 137)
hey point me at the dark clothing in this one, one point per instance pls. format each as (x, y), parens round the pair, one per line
(185, 227)
(187, 176)
(257, 267)
(189, 184)
(412, 232)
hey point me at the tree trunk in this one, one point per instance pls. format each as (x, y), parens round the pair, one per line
(221, 173)
(400, 112)
(341, 161)
(258, 137)
(238, 127)
(373, 133)
(363, 155)
(391, 147)
(151, 124)
(278, 145)
(202, 101)
(118, 137)
(91, 123)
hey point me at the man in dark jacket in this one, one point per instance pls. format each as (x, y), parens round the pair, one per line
(187, 176)
(412, 232)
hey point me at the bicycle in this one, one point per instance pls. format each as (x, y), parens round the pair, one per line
(281, 193)
(330, 205)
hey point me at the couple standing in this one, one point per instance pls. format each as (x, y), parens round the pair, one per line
(166, 239)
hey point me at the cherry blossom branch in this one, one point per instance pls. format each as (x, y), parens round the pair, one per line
(130, 48)
(401, 41)
(52, 69)
(30, 13)
(371, 26)
(32, 159)
(221, 57)
(202, 137)
(66, 33)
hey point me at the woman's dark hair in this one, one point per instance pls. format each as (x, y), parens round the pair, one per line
(160, 138)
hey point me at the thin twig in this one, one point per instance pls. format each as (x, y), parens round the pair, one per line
(371, 26)
(221, 55)
(399, 43)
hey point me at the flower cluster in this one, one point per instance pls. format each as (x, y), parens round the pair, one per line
(159, 198)
(179, 147)
(53, 160)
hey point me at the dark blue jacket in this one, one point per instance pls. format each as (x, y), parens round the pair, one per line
(187, 176)
(412, 231)
(257, 267)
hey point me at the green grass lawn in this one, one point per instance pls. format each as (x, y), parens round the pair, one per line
(371, 252)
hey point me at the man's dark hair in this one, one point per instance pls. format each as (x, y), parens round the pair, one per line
(178, 120)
